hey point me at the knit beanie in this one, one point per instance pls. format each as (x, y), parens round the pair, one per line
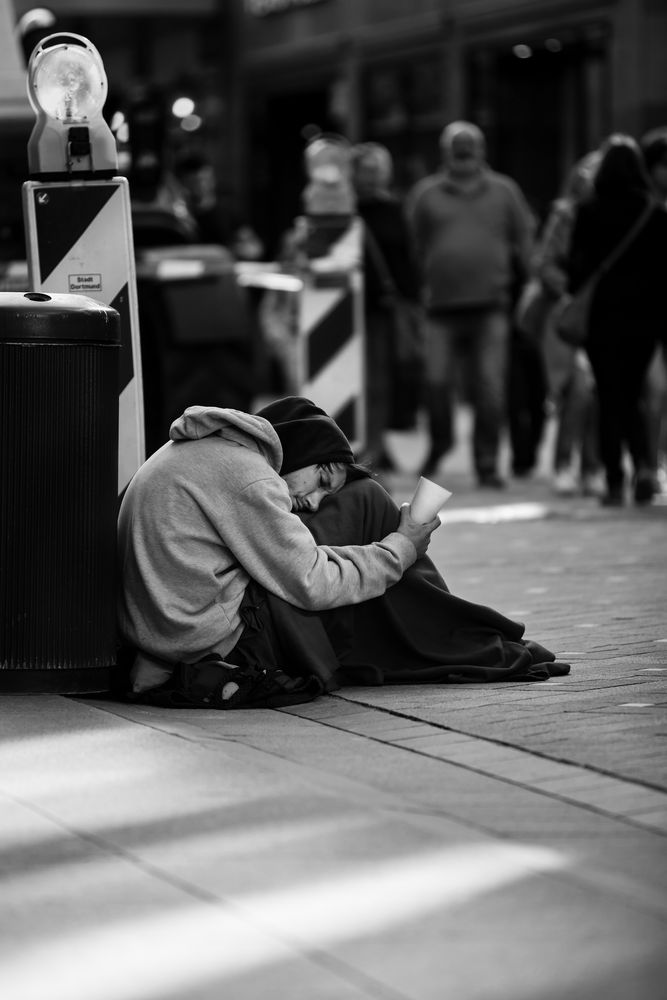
(309, 436)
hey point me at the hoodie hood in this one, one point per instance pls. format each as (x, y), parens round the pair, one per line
(234, 425)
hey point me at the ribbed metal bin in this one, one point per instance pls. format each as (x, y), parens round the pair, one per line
(58, 492)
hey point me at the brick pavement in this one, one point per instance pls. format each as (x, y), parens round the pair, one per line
(472, 842)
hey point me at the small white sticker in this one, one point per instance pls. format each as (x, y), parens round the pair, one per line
(85, 282)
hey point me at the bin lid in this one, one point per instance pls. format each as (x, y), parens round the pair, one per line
(48, 316)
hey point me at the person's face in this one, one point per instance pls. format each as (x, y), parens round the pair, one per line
(464, 157)
(200, 184)
(308, 487)
(369, 177)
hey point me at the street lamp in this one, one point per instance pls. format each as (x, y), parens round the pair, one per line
(78, 214)
(67, 88)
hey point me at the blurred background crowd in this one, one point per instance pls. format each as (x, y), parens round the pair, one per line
(473, 132)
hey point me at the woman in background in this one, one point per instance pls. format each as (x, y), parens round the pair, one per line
(629, 309)
(571, 385)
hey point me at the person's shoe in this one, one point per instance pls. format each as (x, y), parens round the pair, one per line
(613, 497)
(592, 484)
(490, 481)
(384, 462)
(644, 487)
(565, 483)
(661, 480)
(148, 672)
(430, 466)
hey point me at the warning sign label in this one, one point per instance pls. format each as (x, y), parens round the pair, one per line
(85, 282)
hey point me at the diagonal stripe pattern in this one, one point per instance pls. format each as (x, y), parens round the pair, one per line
(331, 336)
(80, 241)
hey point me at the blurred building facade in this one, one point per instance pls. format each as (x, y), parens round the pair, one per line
(545, 80)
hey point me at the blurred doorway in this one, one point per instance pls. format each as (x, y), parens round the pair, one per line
(280, 126)
(542, 105)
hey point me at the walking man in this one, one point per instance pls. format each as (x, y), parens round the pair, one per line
(472, 230)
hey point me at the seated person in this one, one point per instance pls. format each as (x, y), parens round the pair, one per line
(254, 550)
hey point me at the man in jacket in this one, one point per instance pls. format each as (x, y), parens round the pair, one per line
(472, 230)
(206, 529)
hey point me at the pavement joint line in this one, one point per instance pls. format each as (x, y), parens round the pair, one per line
(498, 742)
(638, 822)
(620, 817)
(215, 900)
(387, 801)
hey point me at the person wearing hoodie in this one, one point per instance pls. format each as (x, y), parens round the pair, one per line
(255, 547)
(208, 513)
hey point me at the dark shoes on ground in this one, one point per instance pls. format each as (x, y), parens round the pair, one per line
(378, 462)
(613, 497)
(490, 481)
(485, 480)
(384, 462)
(644, 489)
(213, 683)
(430, 466)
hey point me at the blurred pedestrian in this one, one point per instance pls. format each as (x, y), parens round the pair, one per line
(247, 244)
(196, 175)
(628, 314)
(526, 402)
(393, 317)
(571, 385)
(472, 230)
(654, 149)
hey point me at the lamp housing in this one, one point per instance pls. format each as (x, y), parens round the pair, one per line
(67, 88)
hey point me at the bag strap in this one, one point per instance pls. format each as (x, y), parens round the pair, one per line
(629, 238)
(380, 262)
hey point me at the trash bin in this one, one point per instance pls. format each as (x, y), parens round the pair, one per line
(58, 492)
(198, 335)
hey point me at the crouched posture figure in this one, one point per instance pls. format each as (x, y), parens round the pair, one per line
(260, 566)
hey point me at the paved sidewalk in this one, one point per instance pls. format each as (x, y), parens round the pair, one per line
(472, 842)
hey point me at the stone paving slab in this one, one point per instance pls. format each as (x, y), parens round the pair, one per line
(200, 854)
(552, 777)
(478, 842)
(98, 921)
(616, 723)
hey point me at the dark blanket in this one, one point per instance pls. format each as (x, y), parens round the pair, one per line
(417, 632)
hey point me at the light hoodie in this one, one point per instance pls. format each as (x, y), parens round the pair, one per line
(207, 513)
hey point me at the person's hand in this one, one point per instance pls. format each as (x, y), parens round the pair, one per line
(419, 534)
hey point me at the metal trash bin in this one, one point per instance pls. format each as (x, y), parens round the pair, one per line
(58, 492)
(198, 335)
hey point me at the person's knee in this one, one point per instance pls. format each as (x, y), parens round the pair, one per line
(361, 513)
(373, 505)
(370, 492)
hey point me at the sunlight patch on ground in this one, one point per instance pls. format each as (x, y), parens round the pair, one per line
(166, 955)
(52, 862)
(496, 514)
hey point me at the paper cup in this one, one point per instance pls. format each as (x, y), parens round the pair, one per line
(427, 501)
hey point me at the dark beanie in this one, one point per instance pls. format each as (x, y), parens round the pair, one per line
(309, 436)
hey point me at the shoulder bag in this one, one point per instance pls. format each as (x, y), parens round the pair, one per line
(533, 308)
(573, 311)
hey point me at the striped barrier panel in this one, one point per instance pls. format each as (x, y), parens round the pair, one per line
(314, 321)
(79, 239)
(316, 332)
(330, 354)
